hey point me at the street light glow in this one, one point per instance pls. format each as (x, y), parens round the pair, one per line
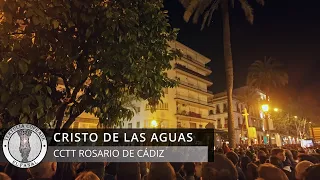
(276, 109)
(265, 107)
(154, 123)
(295, 117)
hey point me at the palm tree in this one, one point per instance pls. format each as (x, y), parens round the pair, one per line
(267, 75)
(250, 97)
(207, 8)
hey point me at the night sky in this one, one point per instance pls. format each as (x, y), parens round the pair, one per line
(287, 30)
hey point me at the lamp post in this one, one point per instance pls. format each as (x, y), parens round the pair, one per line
(265, 109)
(154, 123)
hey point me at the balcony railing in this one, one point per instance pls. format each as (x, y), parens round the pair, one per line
(185, 69)
(192, 114)
(191, 99)
(195, 61)
(194, 86)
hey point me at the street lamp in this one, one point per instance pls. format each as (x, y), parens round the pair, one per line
(276, 109)
(154, 123)
(265, 107)
(295, 117)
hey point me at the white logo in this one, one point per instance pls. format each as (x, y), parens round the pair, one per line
(24, 145)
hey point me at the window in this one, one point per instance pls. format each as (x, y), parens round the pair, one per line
(238, 107)
(138, 124)
(193, 125)
(210, 112)
(217, 109)
(225, 108)
(225, 122)
(129, 125)
(179, 125)
(239, 122)
(200, 126)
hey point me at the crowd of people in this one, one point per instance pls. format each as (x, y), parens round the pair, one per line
(242, 163)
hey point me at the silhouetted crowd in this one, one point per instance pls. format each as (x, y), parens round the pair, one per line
(243, 163)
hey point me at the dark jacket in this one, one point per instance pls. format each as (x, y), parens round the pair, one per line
(241, 175)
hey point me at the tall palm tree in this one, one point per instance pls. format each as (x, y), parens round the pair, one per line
(206, 8)
(267, 75)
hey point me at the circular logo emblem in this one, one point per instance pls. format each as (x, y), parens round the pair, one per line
(24, 145)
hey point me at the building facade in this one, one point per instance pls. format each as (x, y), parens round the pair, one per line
(256, 117)
(185, 106)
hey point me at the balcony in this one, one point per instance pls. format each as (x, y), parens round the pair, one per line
(191, 99)
(191, 114)
(185, 69)
(188, 57)
(195, 86)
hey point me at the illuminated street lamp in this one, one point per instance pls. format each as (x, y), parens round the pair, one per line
(265, 108)
(154, 123)
(276, 109)
(295, 117)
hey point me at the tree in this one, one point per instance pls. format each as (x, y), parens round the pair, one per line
(100, 51)
(267, 75)
(207, 8)
(250, 97)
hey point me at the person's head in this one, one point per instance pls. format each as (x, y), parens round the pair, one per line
(160, 171)
(220, 151)
(189, 168)
(176, 166)
(252, 171)
(221, 169)
(316, 155)
(4, 176)
(312, 172)
(276, 162)
(65, 171)
(294, 154)
(244, 162)
(270, 172)
(263, 159)
(279, 153)
(288, 154)
(87, 175)
(306, 157)
(43, 170)
(301, 168)
(128, 171)
(233, 157)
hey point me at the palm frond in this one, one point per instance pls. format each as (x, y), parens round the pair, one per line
(261, 2)
(185, 3)
(214, 7)
(266, 74)
(191, 8)
(203, 5)
(248, 11)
